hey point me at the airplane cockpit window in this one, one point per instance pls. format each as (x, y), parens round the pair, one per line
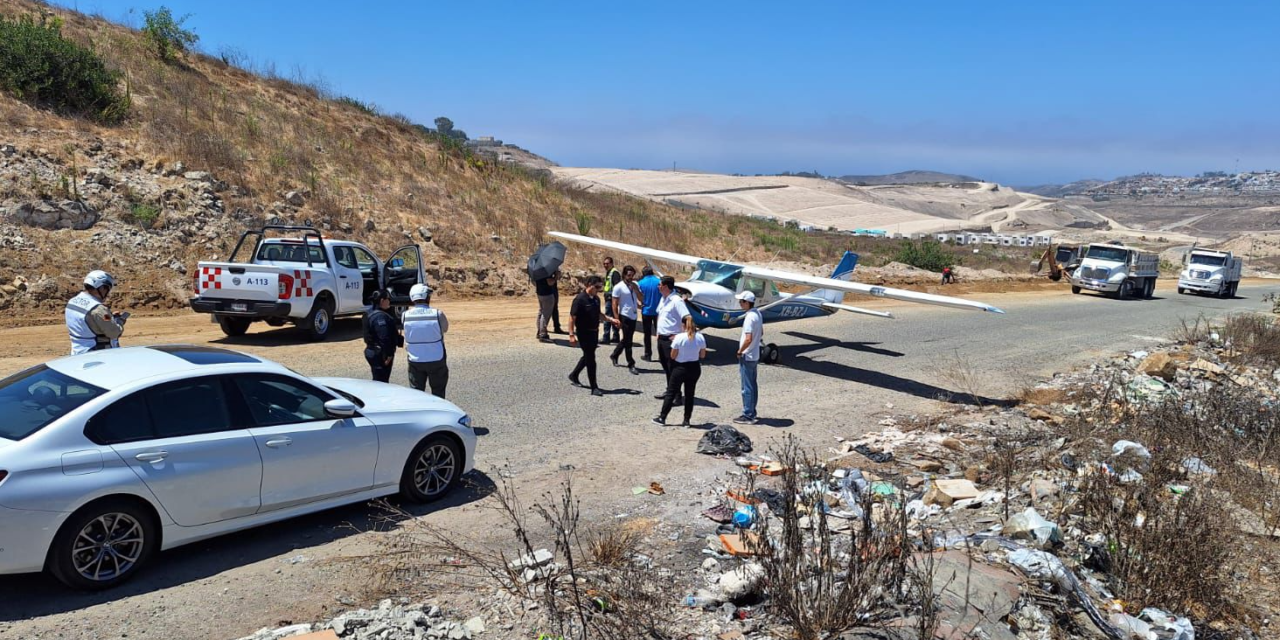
(716, 273)
(763, 289)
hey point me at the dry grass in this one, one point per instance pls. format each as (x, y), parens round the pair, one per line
(1253, 339)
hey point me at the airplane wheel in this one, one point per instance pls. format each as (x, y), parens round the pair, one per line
(772, 354)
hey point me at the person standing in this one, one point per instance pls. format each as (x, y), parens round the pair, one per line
(671, 314)
(687, 351)
(424, 329)
(749, 356)
(90, 323)
(627, 300)
(546, 290)
(649, 309)
(381, 336)
(611, 279)
(584, 327)
(555, 307)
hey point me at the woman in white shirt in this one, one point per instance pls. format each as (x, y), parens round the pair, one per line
(687, 350)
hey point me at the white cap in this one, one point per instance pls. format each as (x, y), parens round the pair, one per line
(746, 295)
(419, 292)
(99, 278)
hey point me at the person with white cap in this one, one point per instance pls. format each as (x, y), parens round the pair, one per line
(424, 329)
(749, 356)
(90, 322)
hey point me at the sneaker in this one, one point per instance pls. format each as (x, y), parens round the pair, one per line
(614, 361)
(597, 392)
(660, 396)
(574, 381)
(744, 420)
(686, 425)
(634, 371)
(544, 339)
(659, 421)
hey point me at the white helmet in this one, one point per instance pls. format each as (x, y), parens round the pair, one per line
(419, 292)
(98, 278)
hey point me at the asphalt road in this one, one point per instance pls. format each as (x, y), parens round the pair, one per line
(837, 376)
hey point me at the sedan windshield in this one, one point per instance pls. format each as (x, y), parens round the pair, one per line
(1112, 254)
(32, 399)
(1212, 261)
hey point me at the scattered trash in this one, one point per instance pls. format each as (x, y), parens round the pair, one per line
(772, 468)
(656, 489)
(1134, 628)
(744, 517)
(1030, 525)
(724, 440)
(874, 456)
(719, 513)
(1181, 627)
(739, 544)
(1198, 466)
(1124, 446)
(635, 491)
(741, 582)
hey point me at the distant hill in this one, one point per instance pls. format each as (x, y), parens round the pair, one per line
(1078, 187)
(909, 177)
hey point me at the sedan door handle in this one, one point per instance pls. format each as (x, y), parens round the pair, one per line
(151, 456)
(279, 442)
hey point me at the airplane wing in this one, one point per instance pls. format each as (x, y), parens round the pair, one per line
(866, 289)
(867, 312)
(664, 256)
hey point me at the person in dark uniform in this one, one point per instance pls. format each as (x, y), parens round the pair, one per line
(381, 336)
(584, 327)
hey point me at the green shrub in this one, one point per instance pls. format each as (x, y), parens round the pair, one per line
(367, 107)
(40, 66)
(144, 215)
(166, 35)
(929, 255)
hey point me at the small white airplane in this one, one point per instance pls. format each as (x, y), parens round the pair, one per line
(710, 290)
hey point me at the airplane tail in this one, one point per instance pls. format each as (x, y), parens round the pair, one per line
(843, 271)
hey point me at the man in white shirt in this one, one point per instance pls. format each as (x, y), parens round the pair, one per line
(671, 313)
(749, 356)
(626, 303)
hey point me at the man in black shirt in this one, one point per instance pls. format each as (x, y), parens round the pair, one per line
(381, 336)
(584, 326)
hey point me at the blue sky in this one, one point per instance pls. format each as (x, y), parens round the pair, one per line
(1019, 92)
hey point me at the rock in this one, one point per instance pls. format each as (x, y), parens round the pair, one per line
(539, 558)
(1162, 364)
(294, 198)
(199, 176)
(927, 466)
(8, 150)
(425, 234)
(945, 492)
(64, 214)
(98, 176)
(368, 224)
(711, 565)
(1042, 488)
(741, 582)
(474, 625)
(1207, 367)
(952, 444)
(1039, 415)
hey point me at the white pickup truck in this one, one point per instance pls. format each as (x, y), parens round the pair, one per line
(1214, 272)
(307, 280)
(1117, 270)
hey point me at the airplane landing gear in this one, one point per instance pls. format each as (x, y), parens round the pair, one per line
(770, 354)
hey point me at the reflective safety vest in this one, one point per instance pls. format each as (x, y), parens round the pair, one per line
(608, 285)
(423, 339)
(83, 339)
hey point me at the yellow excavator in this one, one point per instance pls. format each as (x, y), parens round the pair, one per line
(1062, 259)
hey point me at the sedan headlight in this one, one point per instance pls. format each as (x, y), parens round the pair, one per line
(465, 421)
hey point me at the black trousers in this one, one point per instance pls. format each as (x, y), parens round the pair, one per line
(381, 372)
(555, 312)
(587, 361)
(683, 374)
(649, 324)
(664, 355)
(624, 344)
(434, 373)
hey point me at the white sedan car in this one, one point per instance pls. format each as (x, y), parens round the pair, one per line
(108, 457)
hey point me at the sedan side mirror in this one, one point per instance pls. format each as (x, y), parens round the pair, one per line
(340, 408)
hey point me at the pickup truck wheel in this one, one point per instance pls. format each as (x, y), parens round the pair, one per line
(319, 320)
(1181, 291)
(1075, 289)
(234, 327)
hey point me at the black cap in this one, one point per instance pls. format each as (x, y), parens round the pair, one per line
(379, 296)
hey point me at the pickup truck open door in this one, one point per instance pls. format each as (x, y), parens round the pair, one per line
(401, 271)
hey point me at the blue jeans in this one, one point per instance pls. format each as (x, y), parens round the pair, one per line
(750, 390)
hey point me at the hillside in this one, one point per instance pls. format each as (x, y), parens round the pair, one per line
(831, 204)
(1062, 190)
(909, 177)
(209, 148)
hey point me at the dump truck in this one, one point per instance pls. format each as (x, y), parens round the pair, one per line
(1213, 272)
(1117, 271)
